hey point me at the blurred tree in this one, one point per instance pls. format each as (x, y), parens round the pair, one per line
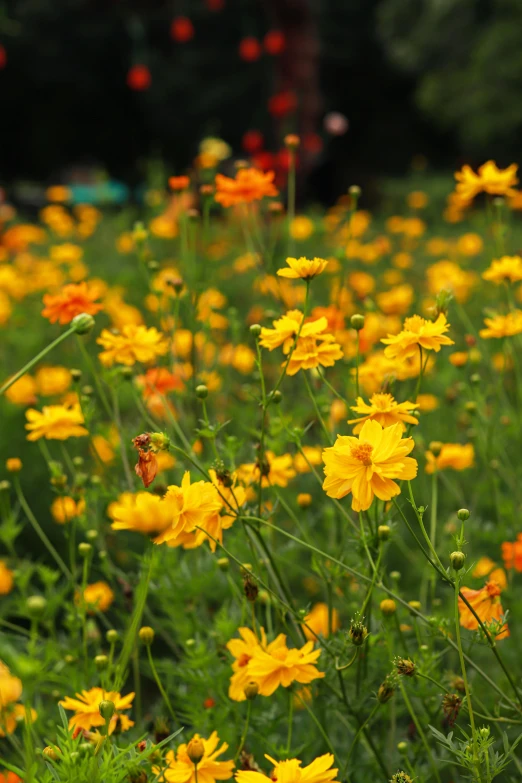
(466, 57)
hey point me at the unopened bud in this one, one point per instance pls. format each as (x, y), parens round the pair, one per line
(112, 636)
(255, 330)
(388, 606)
(304, 500)
(358, 633)
(36, 605)
(354, 191)
(101, 662)
(457, 560)
(146, 635)
(50, 753)
(384, 532)
(463, 514)
(106, 709)
(195, 750)
(435, 447)
(251, 690)
(405, 667)
(386, 690)
(84, 549)
(357, 322)
(82, 323)
(201, 391)
(223, 563)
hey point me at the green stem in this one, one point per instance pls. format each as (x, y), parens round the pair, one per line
(316, 407)
(159, 684)
(36, 359)
(290, 720)
(245, 731)
(464, 673)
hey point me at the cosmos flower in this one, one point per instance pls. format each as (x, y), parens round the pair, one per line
(243, 650)
(291, 771)
(303, 268)
(181, 769)
(366, 466)
(503, 270)
(384, 409)
(283, 666)
(417, 332)
(451, 455)
(512, 553)
(502, 325)
(6, 579)
(64, 508)
(249, 185)
(277, 471)
(71, 301)
(86, 708)
(486, 603)
(98, 597)
(489, 179)
(317, 622)
(143, 512)
(135, 343)
(192, 505)
(55, 422)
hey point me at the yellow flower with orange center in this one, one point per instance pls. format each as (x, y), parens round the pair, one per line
(487, 605)
(135, 343)
(86, 708)
(504, 270)
(451, 455)
(366, 466)
(71, 301)
(243, 650)
(193, 505)
(502, 325)
(55, 422)
(384, 409)
(182, 769)
(303, 268)
(417, 332)
(292, 771)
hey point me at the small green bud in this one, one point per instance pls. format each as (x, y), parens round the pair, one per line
(384, 532)
(126, 373)
(402, 747)
(475, 379)
(255, 330)
(457, 560)
(91, 534)
(106, 709)
(50, 753)
(36, 605)
(76, 374)
(101, 662)
(357, 322)
(112, 636)
(82, 323)
(5, 485)
(354, 191)
(251, 690)
(463, 514)
(84, 549)
(275, 397)
(153, 266)
(78, 462)
(146, 635)
(223, 563)
(201, 391)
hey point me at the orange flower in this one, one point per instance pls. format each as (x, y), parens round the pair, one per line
(179, 183)
(70, 302)
(159, 380)
(486, 603)
(512, 553)
(249, 185)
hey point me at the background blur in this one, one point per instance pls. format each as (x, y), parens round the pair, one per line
(109, 85)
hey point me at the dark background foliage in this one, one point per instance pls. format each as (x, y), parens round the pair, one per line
(443, 79)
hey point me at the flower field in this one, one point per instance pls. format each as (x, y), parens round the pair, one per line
(260, 500)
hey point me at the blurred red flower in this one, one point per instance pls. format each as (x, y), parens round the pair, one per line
(139, 78)
(274, 42)
(252, 141)
(181, 29)
(249, 49)
(282, 103)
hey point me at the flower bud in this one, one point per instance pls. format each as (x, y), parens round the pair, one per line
(126, 373)
(152, 265)
(36, 605)
(5, 485)
(415, 605)
(146, 635)
(402, 747)
(255, 330)
(195, 750)
(276, 397)
(405, 667)
(463, 514)
(82, 323)
(457, 560)
(106, 709)
(388, 606)
(50, 753)
(76, 374)
(91, 534)
(357, 322)
(251, 690)
(383, 532)
(435, 447)
(292, 141)
(304, 500)
(395, 575)
(201, 391)
(223, 563)
(386, 690)
(401, 777)
(250, 588)
(101, 662)
(13, 464)
(358, 633)
(112, 636)
(354, 191)
(78, 462)
(84, 549)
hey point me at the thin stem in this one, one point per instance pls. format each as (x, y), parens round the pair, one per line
(157, 680)
(290, 720)
(245, 731)
(316, 407)
(463, 669)
(36, 359)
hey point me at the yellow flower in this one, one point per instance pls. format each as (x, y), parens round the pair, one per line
(291, 771)
(65, 508)
(278, 471)
(98, 597)
(192, 505)
(452, 455)
(66, 253)
(384, 409)
(320, 350)
(181, 769)
(367, 466)
(483, 567)
(301, 227)
(417, 332)
(86, 708)
(135, 343)
(311, 456)
(502, 325)
(489, 179)
(459, 358)
(243, 650)
(303, 268)
(6, 579)
(142, 512)
(318, 622)
(502, 270)
(469, 244)
(103, 448)
(55, 422)
(448, 275)
(11, 714)
(362, 283)
(52, 381)
(397, 301)
(283, 666)
(23, 391)
(13, 464)
(417, 199)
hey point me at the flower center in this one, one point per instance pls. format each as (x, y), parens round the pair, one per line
(243, 659)
(363, 452)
